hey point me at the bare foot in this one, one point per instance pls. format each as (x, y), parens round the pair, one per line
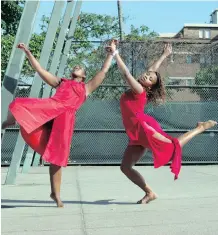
(206, 125)
(57, 200)
(6, 124)
(147, 198)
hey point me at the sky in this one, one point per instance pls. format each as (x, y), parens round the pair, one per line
(159, 16)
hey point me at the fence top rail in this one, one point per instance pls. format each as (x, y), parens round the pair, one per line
(167, 86)
(123, 130)
(176, 40)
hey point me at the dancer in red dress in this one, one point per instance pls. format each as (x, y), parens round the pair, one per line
(47, 124)
(144, 131)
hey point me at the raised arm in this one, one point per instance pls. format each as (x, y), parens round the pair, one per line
(45, 75)
(167, 51)
(134, 85)
(96, 81)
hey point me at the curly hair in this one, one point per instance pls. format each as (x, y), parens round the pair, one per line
(157, 93)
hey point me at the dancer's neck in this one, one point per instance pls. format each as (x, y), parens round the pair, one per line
(78, 79)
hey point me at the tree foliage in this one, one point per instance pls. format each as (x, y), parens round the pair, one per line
(140, 34)
(208, 77)
(90, 27)
(7, 42)
(11, 12)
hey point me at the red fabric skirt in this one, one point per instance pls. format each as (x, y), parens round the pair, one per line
(163, 152)
(39, 138)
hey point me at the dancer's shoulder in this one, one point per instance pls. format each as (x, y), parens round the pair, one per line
(64, 79)
(142, 94)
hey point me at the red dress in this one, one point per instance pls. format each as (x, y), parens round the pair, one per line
(47, 125)
(141, 127)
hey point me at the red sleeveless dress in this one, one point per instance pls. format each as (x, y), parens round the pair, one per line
(47, 124)
(141, 127)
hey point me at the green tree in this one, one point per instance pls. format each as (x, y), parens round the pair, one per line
(89, 27)
(91, 55)
(11, 12)
(143, 33)
(7, 42)
(208, 77)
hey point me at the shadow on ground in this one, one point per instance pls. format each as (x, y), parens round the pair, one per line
(6, 203)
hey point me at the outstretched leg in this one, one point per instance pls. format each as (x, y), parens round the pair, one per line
(10, 121)
(201, 127)
(55, 180)
(131, 156)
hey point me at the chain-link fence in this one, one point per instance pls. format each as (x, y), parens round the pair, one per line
(191, 77)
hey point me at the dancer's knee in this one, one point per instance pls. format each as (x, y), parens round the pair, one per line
(125, 169)
(54, 166)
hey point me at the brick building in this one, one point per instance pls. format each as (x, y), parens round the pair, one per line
(195, 46)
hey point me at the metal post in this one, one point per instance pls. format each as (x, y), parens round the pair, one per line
(44, 58)
(120, 17)
(47, 46)
(69, 41)
(59, 46)
(16, 60)
(36, 159)
(18, 151)
(52, 69)
(14, 69)
(56, 56)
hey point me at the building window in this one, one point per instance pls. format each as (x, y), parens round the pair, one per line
(204, 33)
(207, 34)
(188, 59)
(201, 33)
